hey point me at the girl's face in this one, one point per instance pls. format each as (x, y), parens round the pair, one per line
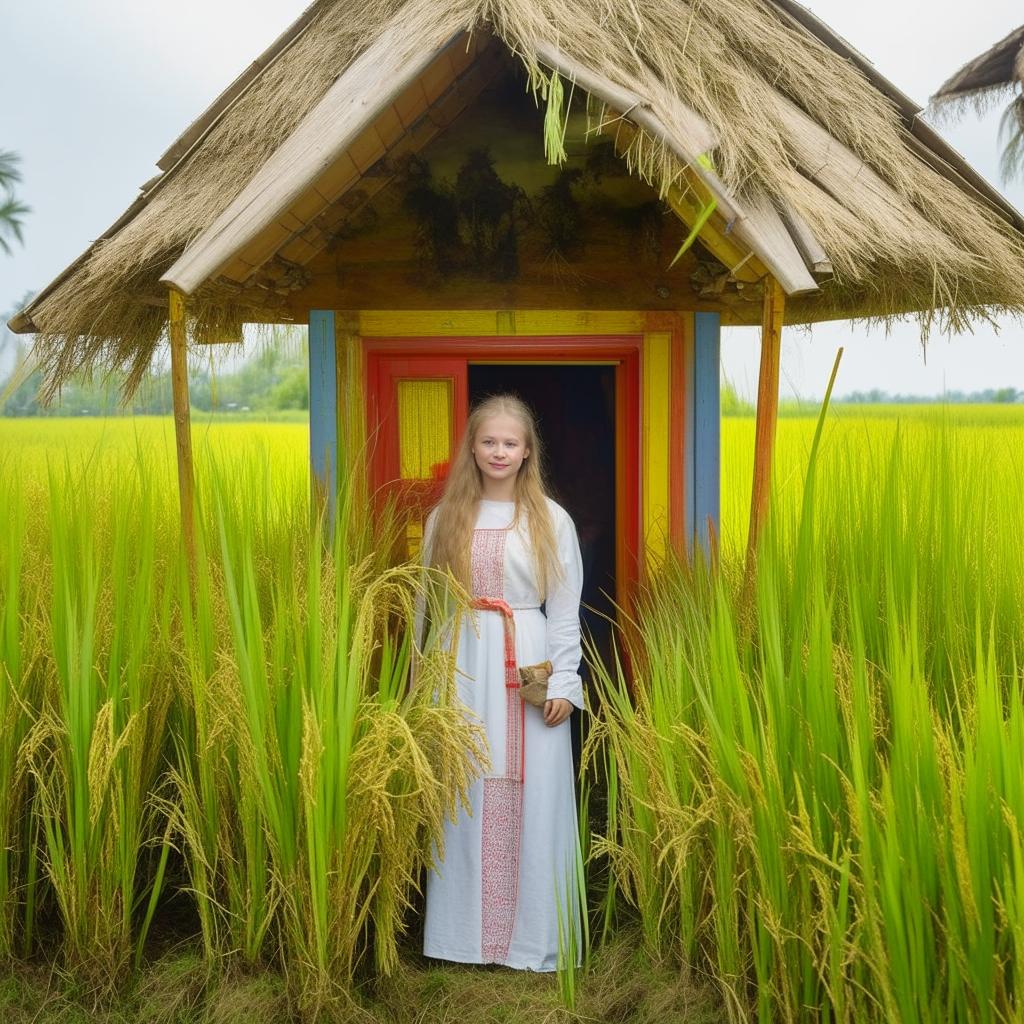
(500, 447)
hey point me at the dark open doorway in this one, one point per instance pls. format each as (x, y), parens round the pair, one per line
(575, 408)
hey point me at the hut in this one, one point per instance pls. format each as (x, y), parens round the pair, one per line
(566, 198)
(994, 74)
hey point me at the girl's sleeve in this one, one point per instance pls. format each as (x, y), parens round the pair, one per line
(562, 607)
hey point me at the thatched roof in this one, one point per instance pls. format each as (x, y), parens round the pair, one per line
(989, 74)
(816, 162)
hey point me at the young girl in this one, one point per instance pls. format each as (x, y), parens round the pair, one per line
(509, 868)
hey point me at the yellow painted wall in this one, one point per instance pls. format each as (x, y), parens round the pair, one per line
(655, 432)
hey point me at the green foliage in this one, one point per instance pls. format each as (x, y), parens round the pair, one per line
(273, 380)
(12, 210)
(1011, 137)
(818, 795)
(257, 719)
(730, 402)
(813, 798)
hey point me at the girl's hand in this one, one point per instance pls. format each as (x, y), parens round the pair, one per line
(556, 710)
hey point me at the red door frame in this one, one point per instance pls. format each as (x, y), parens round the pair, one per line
(381, 401)
(451, 357)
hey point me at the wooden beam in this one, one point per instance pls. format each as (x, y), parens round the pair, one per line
(756, 225)
(182, 421)
(690, 136)
(817, 260)
(764, 232)
(767, 411)
(368, 85)
(685, 204)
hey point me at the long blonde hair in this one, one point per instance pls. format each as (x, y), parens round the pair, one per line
(457, 509)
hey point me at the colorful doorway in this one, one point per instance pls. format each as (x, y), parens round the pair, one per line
(417, 405)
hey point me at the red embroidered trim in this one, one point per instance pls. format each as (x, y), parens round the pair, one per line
(503, 795)
(487, 562)
(502, 826)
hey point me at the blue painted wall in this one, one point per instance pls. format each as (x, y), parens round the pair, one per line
(323, 406)
(704, 406)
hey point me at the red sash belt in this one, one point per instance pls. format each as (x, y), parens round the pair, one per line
(515, 745)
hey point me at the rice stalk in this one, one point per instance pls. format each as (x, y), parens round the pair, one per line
(95, 746)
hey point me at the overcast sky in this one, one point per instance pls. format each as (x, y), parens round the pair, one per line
(95, 90)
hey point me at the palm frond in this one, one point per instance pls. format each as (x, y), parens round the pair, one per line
(11, 212)
(1011, 138)
(9, 173)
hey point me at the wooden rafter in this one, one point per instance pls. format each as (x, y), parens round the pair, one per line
(182, 420)
(374, 80)
(756, 223)
(767, 411)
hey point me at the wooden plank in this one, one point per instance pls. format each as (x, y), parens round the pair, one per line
(411, 103)
(686, 204)
(767, 412)
(765, 233)
(307, 206)
(261, 248)
(290, 222)
(323, 412)
(707, 431)
(579, 321)
(395, 286)
(811, 249)
(681, 128)
(299, 250)
(337, 179)
(389, 126)
(371, 82)
(182, 421)
(365, 150)
(390, 323)
(436, 78)
(399, 323)
(689, 438)
(352, 399)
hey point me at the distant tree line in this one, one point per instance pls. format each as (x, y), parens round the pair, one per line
(988, 396)
(277, 379)
(271, 381)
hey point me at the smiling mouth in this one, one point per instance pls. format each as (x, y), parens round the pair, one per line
(500, 465)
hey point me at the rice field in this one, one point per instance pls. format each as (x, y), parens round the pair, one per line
(216, 795)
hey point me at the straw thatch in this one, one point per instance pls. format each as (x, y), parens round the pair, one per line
(988, 77)
(905, 224)
(984, 81)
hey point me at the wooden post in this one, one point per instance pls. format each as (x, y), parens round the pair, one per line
(767, 411)
(182, 420)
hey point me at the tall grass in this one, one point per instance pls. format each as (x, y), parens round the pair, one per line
(814, 799)
(18, 652)
(250, 727)
(821, 806)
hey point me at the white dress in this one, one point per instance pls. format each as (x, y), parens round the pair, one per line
(494, 897)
